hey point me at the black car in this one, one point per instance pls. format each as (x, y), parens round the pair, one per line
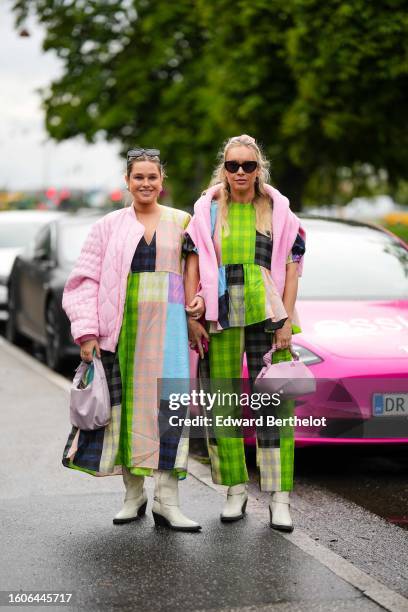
(17, 230)
(36, 284)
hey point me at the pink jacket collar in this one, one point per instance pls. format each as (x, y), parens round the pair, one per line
(285, 226)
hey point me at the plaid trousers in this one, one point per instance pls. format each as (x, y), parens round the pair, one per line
(275, 446)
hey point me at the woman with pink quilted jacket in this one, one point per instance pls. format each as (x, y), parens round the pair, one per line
(126, 302)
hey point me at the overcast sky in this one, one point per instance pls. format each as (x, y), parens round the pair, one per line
(28, 160)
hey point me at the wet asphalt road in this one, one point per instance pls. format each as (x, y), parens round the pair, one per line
(57, 532)
(374, 477)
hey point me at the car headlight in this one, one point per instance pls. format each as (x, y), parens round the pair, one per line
(308, 357)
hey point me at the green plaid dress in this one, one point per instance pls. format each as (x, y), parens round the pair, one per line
(250, 311)
(153, 345)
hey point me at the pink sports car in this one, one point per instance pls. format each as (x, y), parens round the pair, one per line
(353, 307)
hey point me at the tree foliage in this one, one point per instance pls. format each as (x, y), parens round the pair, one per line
(322, 85)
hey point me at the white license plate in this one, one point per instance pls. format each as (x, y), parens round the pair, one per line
(390, 404)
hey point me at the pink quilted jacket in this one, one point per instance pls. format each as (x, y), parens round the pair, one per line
(94, 294)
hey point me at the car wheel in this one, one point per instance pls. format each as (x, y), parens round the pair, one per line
(12, 333)
(53, 351)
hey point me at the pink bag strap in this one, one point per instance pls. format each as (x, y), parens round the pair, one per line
(267, 358)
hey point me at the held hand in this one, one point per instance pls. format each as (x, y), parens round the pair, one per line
(196, 307)
(198, 336)
(87, 349)
(283, 336)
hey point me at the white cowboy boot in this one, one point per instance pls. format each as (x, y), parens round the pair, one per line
(279, 511)
(135, 499)
(166, 510)
(235, 505)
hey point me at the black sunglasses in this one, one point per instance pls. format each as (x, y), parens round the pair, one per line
(135, 153)
(247, 166)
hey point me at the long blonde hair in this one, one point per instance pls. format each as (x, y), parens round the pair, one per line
(262, 202)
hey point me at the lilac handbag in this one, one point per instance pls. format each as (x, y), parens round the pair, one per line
(288, 378)
(90, 401)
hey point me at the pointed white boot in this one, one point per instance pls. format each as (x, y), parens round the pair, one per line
(235, 506)
(135, 499)
(279, 511)
(166, 510)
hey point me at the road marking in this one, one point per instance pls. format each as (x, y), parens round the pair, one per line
(370, 587)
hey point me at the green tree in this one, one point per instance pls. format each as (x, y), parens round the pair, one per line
(322, 85)
(250, 85)
(350, 63)
(131, 73)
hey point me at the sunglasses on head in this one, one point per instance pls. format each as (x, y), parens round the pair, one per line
(234, 166)
(135, 153)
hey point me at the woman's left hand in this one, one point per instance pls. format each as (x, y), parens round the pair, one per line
(196, 308)
(283, 336)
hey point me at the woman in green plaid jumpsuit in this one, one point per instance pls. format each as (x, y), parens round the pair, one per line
(251, 316)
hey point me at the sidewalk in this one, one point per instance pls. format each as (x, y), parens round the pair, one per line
(57, 532)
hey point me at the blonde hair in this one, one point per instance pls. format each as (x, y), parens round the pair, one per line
(262, 202)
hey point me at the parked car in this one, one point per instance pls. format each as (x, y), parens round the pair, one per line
(36, 284)
(353, 307)
(17, 230)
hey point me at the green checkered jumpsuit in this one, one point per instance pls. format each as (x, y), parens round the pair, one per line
(250, 310)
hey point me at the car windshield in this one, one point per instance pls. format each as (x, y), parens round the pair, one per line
(345, 262)
(16, 235)
(71, 238)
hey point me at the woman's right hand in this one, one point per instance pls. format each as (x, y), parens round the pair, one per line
(87, 349)
(197, 335)
(196, 308)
